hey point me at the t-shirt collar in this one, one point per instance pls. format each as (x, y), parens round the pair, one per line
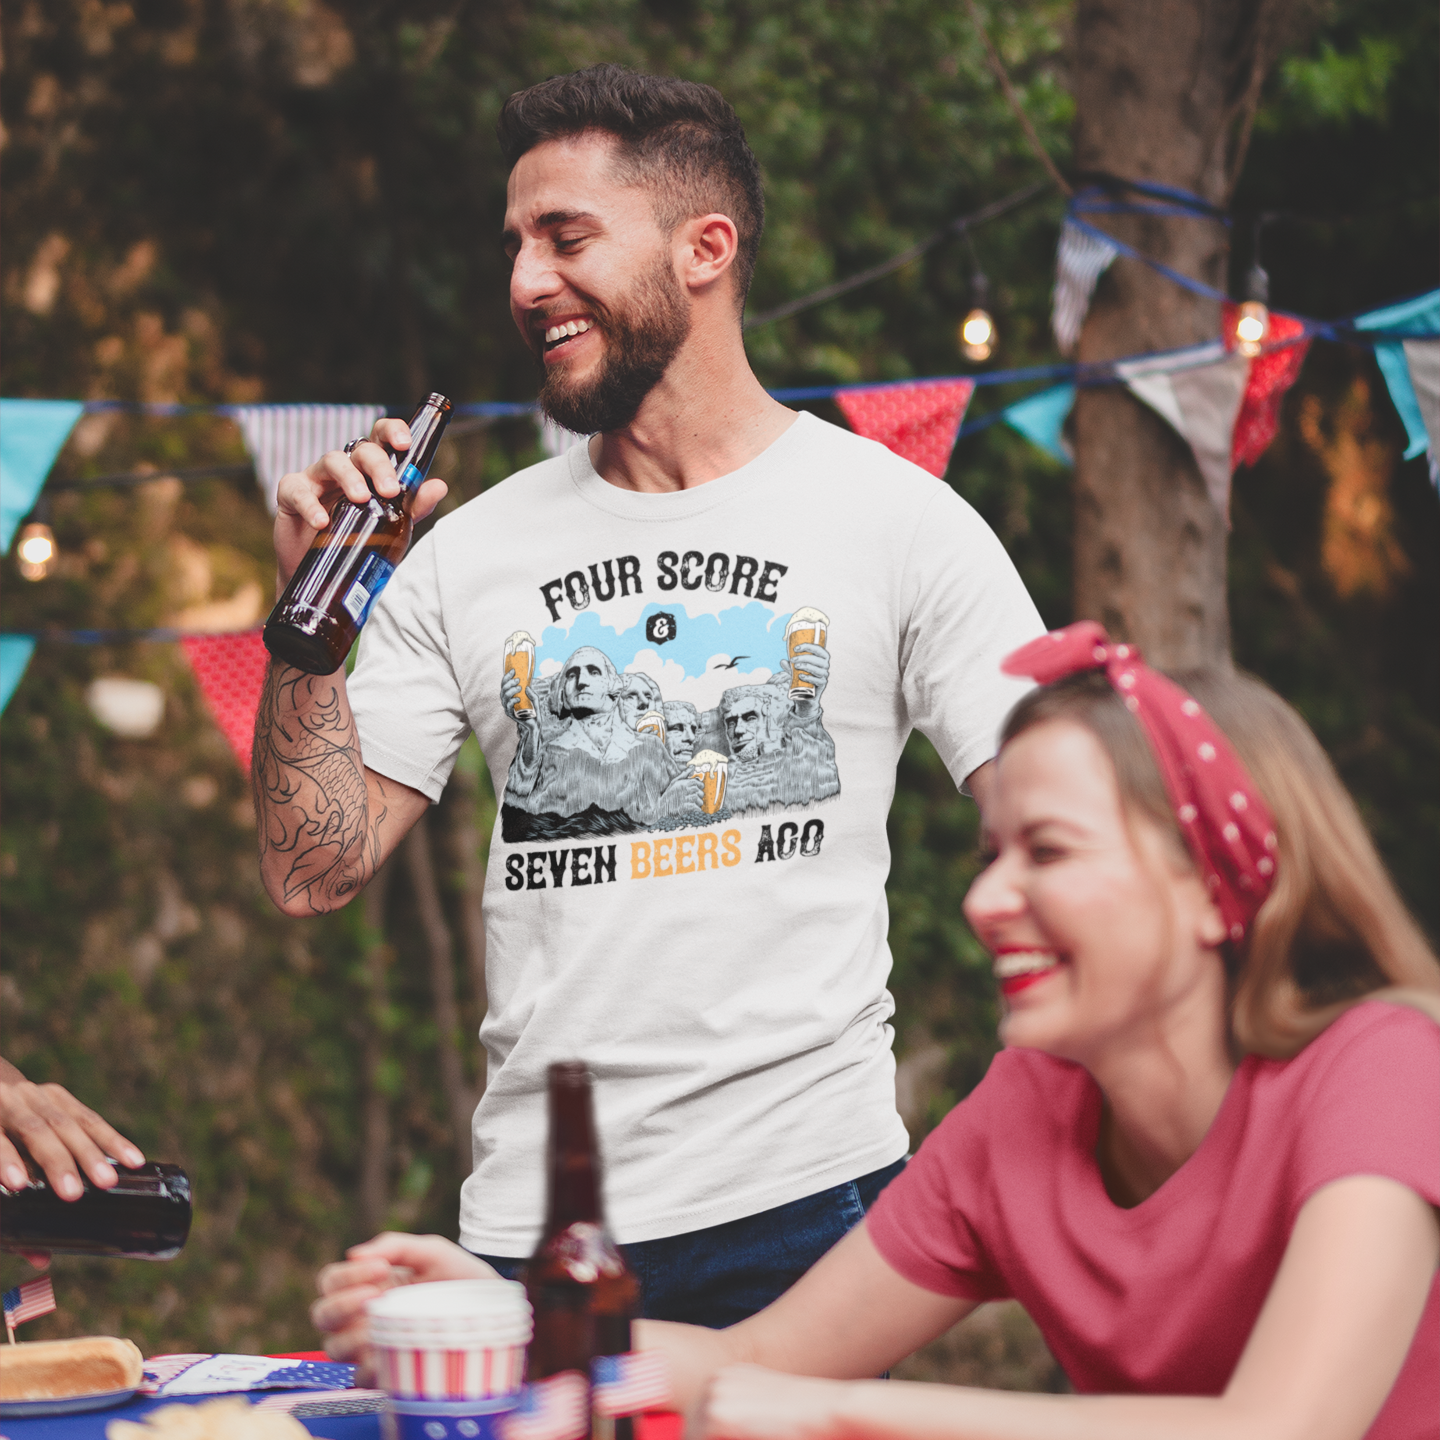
(681, 504)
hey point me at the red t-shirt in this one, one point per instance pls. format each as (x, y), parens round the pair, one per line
(1004, 1199)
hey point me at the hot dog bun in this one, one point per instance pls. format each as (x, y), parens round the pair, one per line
(65, 1369)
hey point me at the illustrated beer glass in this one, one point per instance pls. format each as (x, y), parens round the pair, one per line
(711, 767)
(654, 722)
(808, 626)
(520, 660)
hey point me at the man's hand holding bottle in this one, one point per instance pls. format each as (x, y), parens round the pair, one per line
(305, 496)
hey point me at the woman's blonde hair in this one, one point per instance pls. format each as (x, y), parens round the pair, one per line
(1334, 930)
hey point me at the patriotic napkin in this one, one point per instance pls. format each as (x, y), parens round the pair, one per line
(233, 1374)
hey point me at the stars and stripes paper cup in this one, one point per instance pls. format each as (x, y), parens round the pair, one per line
(451, 1339)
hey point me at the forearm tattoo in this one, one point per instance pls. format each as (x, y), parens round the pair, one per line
(311, 800)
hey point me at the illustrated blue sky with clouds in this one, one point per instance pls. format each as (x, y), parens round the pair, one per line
(752, 630)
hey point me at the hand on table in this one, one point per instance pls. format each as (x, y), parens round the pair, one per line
(60, 1133)
(749, 1402)
(369, 1270)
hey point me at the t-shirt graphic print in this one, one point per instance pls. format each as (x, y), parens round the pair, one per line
(691, 707)
(680, 721)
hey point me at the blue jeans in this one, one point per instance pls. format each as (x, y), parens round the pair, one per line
(719, 1275)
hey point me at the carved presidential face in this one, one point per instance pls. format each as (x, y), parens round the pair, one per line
(640, 693)
(754, 720)
(682, 729)
(589, 682)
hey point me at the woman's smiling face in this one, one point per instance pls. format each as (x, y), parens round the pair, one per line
(1098, 925)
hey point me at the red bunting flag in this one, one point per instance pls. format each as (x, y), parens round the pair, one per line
(230, 670)
(918, 422)
(1271, 375)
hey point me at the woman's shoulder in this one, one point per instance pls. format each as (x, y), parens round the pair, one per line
(1024, 1094)
(1390, 1030)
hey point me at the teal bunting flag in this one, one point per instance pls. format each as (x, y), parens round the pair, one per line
(15, 653)
(1409, 366)
(1041, 418)
(31, 434)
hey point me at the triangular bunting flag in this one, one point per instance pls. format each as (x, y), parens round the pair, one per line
(918, 422)
(31, 434)
(1041, 420)
(1423, 357)
(1271, 375)
(1418, 317)
(1080, 260)
(282, 438)
(15, 653)
(230, 670)
(1201, 403)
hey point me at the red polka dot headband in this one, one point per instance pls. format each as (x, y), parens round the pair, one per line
(1221, 813)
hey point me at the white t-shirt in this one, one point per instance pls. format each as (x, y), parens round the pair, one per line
(717, 956)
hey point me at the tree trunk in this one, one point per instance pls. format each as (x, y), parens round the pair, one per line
(1164, 91)
(460, 1099)
(375, 1120)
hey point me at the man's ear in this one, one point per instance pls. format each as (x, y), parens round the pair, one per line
(707, 246)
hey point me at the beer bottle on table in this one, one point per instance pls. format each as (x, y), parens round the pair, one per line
(145, 1215)
(580, 1288)
(328, 599)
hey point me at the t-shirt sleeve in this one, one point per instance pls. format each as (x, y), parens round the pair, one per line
(966, 610)
(1373, 1108)
(408, 708)
(925, 1222)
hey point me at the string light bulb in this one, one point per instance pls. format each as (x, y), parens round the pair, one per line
(36, 550)
(1252, 324)
(977, 330)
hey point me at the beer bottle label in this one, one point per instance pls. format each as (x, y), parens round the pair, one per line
(372, 578)
(410, 477)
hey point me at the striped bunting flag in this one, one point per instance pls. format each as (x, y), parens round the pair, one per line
(1080, 260)
(282, 438)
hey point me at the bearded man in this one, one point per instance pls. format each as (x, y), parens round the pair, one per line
(745, 1092)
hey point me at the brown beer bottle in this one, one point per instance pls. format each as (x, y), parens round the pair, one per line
(316, 620)
(582, 1292)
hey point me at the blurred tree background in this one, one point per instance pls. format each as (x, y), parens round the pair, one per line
(285, 200)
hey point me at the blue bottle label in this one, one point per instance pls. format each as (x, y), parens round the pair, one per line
(410, 477)
(372, 578)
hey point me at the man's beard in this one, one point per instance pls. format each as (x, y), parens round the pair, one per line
(640, 342)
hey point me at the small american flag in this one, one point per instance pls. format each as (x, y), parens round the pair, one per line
(553, 1409)
(631, 1383)
(29, 1301)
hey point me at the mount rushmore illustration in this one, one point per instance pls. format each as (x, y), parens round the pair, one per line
(601, 751)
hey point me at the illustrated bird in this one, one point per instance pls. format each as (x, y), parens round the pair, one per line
(732, 664)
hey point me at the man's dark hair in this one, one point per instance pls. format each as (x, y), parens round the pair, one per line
(681, 140)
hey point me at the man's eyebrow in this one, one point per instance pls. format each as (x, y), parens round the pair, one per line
(562, 217)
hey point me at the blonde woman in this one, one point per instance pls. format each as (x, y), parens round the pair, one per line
(1208, 1159)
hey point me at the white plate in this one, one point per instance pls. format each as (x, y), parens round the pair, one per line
(22, 1409)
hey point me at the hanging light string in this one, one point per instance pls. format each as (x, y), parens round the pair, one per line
(961, 225)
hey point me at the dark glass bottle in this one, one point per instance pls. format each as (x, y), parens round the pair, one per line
(144, 1216)
(583, 1293)
(328, 599)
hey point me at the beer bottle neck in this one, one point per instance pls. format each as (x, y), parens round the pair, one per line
(574, 1155)
(427, 426)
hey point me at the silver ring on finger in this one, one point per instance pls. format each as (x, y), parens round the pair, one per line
(358, 440)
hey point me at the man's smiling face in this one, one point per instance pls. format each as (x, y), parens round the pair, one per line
(593, 289)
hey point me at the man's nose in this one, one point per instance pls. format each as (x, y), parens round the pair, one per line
(533, 280)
